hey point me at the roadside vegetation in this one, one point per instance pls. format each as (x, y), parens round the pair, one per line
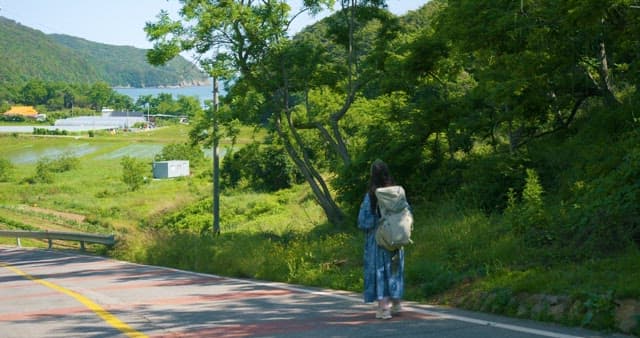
(462, 256)
(518, 151)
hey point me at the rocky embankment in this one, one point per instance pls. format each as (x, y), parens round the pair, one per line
(600, 312)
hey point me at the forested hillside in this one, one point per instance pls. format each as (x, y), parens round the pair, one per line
(513, 126)
(127, 66)
(28, 54)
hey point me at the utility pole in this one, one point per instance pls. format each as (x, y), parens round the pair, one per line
(216, 162)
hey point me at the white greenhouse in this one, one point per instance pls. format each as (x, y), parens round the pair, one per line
(100, 122)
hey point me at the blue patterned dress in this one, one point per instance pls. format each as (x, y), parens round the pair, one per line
(383, 273)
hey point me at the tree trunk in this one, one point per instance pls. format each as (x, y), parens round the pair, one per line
(302, 161)
(313, 178)
(606, 82)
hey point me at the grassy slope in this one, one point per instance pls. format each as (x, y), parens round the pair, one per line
(460, 256)
(94, 189)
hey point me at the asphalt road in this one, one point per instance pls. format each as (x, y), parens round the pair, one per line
(45, 293)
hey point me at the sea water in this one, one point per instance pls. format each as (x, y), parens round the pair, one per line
(201, 92)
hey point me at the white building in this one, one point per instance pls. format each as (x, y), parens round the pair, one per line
(169, 169)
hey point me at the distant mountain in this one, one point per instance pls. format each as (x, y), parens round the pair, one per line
(27, 53)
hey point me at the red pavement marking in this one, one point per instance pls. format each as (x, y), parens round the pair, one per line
(289, 326)
(121, 277)
(47, 266)
(106, 271)
(29, 295)
(17, 284)
(213, 298)
(161, 301)
(161, 283)
(59, 312)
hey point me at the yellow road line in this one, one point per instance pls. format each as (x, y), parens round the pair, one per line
(101, 312)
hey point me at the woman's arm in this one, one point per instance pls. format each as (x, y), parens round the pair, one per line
(366, 218)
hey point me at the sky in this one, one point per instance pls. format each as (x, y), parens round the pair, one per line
(120, 22)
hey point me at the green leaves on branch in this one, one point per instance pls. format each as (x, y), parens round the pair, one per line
(165, 34)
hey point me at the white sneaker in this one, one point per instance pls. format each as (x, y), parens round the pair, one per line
(383, 314)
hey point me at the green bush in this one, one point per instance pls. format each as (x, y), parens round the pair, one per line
(265, 168)
(134, 172)
(487, 181)
(182, 151)
(47, 167)
(44, 172)
(45, 131)
(231, 171)
(6, 170)
(605, 216)
(528, 217)
(12, 118)
(64, 162)
(430, 278)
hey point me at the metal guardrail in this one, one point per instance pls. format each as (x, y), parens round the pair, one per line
(108, 240)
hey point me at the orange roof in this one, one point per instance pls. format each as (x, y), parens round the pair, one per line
(22, 110)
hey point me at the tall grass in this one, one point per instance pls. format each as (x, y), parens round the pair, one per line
(460, 252)
(461, 256)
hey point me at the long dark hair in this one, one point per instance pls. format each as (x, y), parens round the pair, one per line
(380, 177)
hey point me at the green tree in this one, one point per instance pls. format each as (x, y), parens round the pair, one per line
(99, 95)
(188, 106)
(35, 93)
(232, 129)
(263, 167)
(134, 172)
(240, 34)
(537, 63)
(164, 103)
(144, 100)
(69, 98)
(121, 101)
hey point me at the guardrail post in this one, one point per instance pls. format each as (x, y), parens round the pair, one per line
(60, 235)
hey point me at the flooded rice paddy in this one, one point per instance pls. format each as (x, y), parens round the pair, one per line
(22, 153)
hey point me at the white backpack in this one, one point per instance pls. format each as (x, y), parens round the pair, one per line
(396, 220)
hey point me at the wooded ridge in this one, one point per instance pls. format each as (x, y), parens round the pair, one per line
(30, 54)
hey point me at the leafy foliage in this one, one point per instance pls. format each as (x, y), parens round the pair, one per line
(528, 217)
(47, 167)
(181, 151)
(43, 173)
(134, 172)
(263, 168)
(6, 170)
(606, 213)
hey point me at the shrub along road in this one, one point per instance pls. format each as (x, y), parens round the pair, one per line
(47, 293)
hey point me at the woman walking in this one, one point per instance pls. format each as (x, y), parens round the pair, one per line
(383, 269)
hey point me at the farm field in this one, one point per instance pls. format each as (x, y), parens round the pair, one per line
(91, 197)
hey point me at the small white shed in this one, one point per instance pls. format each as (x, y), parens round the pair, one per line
(168, 169)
